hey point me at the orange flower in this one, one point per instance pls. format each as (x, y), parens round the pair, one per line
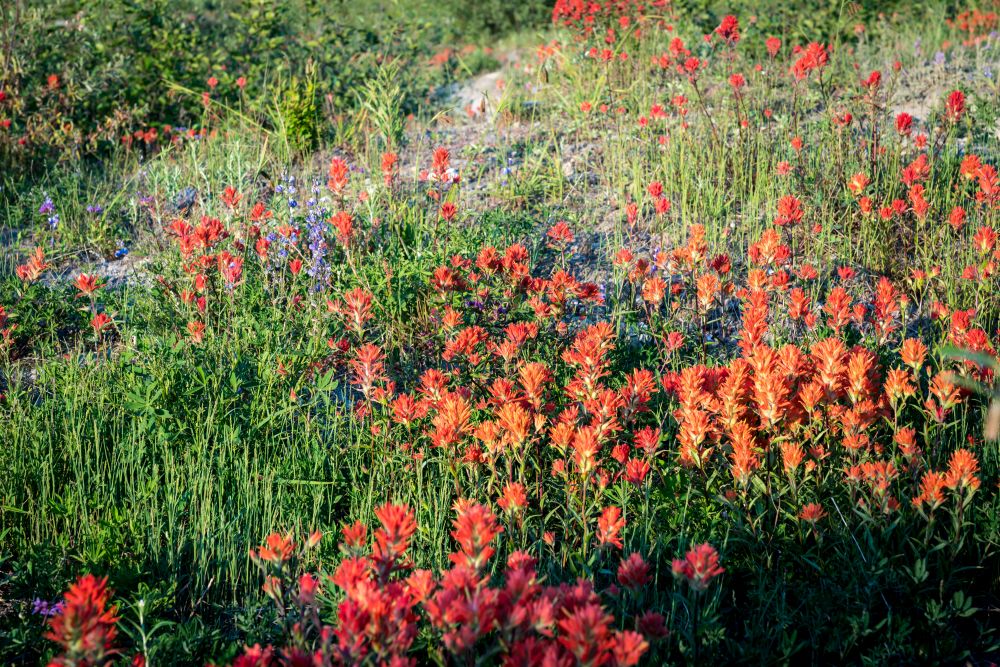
(828, 355)
(196, 330)
(931, 490)
(87, 284)
(838, 309)
(695, 430)
(858, 183)
(560, 235)
(516, 421)
(755, 312)
(812, 513)
(533, 377)
(792, 456)
(906, 439)
(389, 161)
(913, 353)
(653, 290)
(861, 366)
(743, 457)
(946, 393)
(342, 222)
(708, 287)
(451, 423)
(898, 384)
(32, 270)
(586, 448)
(798, 304)
(338, 174)
(277, 549)
(961, 471)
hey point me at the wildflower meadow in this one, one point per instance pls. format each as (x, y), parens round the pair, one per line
(572, 332)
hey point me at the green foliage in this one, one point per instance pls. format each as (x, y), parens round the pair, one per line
(299, 115)
(120, 66)
(499, 17)
(828, 22)
(381, 99)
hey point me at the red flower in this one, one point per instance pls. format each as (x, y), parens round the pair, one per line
(277, 549)
(609, 527)
(586, 633)
(653, 625)
(560, 235)
(231, 197)
(873, 81)
(356, 309)
(957, 218)
(440, 163)
(474, 529)
(904, 123)
(389, 161)
(448, 210)
(368, 367)
(813, 57)
(342, 222)
(699, 566)
(100, 321)
(87, 284)
(636, 471)
(633, 572)
(729, 29)
(789, 211)
(338, 173)
(773, 45)
(514, 498)
(984, 240)
(393, 539)
(85, 628)
(955, 106)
